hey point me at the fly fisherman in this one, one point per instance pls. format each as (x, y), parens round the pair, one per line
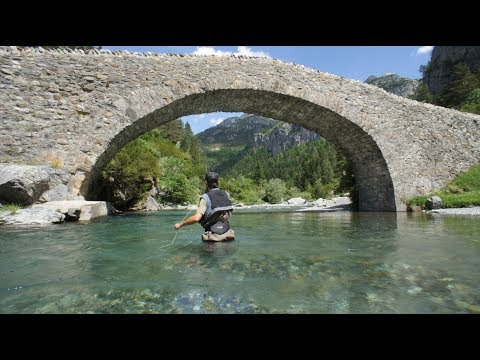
(214, 212)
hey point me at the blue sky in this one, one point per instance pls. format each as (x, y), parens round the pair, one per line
(354, 62)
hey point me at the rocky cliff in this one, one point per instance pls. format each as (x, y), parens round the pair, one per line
(444, 58)
(282, 137)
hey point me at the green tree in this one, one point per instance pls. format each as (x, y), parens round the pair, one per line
(472, 104)
(275, 191)
(243, 189)
(425, 69)
(460, 88)
(174, 183)
(422, 93)
(190, 144)
(132, 171)
(258, 171)
(149, 160)
(172, 130)
(186, 138)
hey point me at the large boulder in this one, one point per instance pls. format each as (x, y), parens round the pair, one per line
(320, 202)
(435, 202)
(147, 204)
(28, 184)
(78, 209)
(32, 216)
(296, 201)
(342, 200)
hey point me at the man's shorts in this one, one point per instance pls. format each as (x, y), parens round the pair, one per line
(210, 236)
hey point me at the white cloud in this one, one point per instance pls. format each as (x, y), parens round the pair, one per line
(216, 121)
(246, 51)
(241, 50)
(424, 50)
(210, 51)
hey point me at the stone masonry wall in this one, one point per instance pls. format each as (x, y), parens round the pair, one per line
(76, 109)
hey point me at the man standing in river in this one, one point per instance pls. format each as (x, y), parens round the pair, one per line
(213, 213)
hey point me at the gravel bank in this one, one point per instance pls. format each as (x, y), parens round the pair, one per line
(474, 211)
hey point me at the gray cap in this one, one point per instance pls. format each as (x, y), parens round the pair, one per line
(211, 176)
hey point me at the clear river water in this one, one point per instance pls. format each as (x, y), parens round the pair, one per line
(282, 261)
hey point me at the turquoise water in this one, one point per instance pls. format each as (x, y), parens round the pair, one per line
(281, 262)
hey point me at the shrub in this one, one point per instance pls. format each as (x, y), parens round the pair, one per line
(275, 191)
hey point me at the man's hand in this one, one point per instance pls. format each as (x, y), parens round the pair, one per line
(177, 226)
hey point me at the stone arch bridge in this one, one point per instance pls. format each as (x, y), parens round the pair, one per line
(76, 109)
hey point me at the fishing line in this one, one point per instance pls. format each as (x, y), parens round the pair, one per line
(176, 233)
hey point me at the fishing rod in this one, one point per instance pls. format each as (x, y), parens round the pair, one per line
(176, 233)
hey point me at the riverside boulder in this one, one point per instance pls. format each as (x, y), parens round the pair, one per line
(28, 184)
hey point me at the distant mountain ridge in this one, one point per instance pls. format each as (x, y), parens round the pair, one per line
(394, 84)
(256, 131)
(236, 131)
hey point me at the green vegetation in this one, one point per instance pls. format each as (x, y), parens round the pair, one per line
(168, 158)
(243, 190)
(13, 208)
(171, 160)
(307, 167)
(461, 93)
(221, 158)
(463, 191)
(253, 175)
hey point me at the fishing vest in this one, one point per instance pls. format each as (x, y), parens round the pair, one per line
(218, 211)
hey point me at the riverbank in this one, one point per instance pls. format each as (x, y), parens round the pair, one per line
(50, 214)
(471, 211)
(334, 204)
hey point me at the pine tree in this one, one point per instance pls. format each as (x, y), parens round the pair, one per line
(186, 138)
(172, 130)
(458, 91)
(190, 144)
(422, 94)
(259, 170)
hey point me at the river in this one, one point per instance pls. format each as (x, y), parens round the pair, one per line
(282, 261)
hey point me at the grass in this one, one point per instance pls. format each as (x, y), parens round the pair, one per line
(463, 191)
(13, 208)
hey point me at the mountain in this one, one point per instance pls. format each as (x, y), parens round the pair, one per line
(237, 135)
(444, 58)
(282, 137)
(256, 131)
(395, 84)
(236, 131)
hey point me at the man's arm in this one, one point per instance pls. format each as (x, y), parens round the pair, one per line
(191, 220)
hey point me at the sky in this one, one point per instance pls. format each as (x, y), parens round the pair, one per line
(354, 62)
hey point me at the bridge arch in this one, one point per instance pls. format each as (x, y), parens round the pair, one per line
(376, 190)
